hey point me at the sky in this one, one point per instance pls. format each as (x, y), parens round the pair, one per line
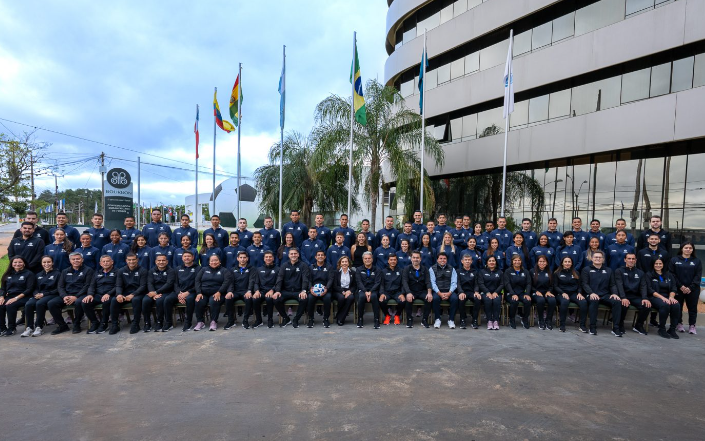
(130, 74)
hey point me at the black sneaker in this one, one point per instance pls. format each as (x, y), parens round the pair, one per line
(542, 326)
(76, 329)
(424, 323)
(549, 326)
(158, 327)
(593, 331)
(135, 328)
(359, 322)
(653, 323)
(101, 329)
(583, 330)
(616, 332)
(11, 332)
(474, 324)
(562, 328)
(326, 323)
(339, 322)
(2, 332)
(295, 322)
(664, 334)
(114, 329)
(376, 326)
(167, 327)
(20, 321)
(526, 323)
(187, 327)
(246, 323)
(310, 323)
(463, 325)
(257, 324)
(230, 324)
(93, 329)
(147, 327)
(410, 322)
(285, 321)
(512, 324)
(622, 330)
(639, 329)
(672, 332)
(270, 323)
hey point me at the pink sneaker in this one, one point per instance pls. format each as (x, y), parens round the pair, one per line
(213, 327)
(490, 326)
(692, 330)
(680, 327)
(199, 326)
(496, 325)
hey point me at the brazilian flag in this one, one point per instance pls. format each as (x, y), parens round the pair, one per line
(358, 97)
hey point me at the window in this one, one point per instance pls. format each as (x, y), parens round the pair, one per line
(459, 7)
(559, 104)
(520, 117)
(443, 74)
(699, 75)
(494, 55)
(409, 35)
(522, 43)
(682, 74)
(490, 122)
(541, 36)
(635, 85)
(446, 14)
(660, 79)
(634, 6)
(457, 68)
(456, 129)
(538, 109)
(431, 79)
(407, 89)
(598, 15)
(473, 3)
(472, 62)
(470, 126)
(439, 132)
(563, 27)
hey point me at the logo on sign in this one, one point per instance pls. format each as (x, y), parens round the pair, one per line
(119, 178)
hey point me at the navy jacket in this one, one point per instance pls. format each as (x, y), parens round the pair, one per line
(271, 238)
(178, 233)
(348, 234)
(245, 238)
(167, 251)
(531, 239)
(256, 254)
(71, 233)
(58, 254)
(230, 254)
(489, 281)
(335, 252)
(91, 256)
(324, 235)
(47, 283)
(99, 237)
(309, 248)
(264, 278)
(128, 235)
(152, 230)
(298, 229)
(554, 238)
(117, 252)
(75, 282)
(631, 283)
(221, 236)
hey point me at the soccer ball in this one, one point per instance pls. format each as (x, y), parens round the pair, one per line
(318, 289)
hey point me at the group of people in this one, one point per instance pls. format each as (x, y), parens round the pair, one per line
(101, 273)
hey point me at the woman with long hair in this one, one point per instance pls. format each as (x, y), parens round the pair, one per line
(283, 251)
(517, 288)
(661, 293)
(16, 288)
(543, 248)
(480, 237)
(517, 249)
(44, 291)
(209, 248)
(449, 248)
(473, 252)
(359, 248)
(489, 281)
(568, 248)
(116, 249)
(566, 287)
(541, 296)
(404, 254)
(428, 255)
(593, 245)
(59, 250)
(344, 285)
(494, 251)
(140, 248)
(688, 271)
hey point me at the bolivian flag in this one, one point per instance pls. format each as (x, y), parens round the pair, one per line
(223, 124)
(235, 96)
(358, 98)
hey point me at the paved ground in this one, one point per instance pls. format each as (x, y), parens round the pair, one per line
(346, 383)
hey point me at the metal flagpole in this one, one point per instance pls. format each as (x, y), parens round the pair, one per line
(239, 129)
(214, 212)
(352, 122)
(195, 208)
(506, 125)
(281, 129)
(139, 188)
(423, 116)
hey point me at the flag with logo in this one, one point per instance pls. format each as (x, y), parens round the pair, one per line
(508, 83)
(282, 90)
(424, 63)
(235, 98)
(223, 124)
(358, 97)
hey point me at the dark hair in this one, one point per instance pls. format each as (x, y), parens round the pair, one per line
(115, 230)
(215, 215)
(312, 227)
(128, 255)
(653, 265)
(687, 242)
(280, 250)
(235, 233)
(536, 269)
(596, 220)
(27, 223)
(98, 214)
(67, 244)
(408, 244)
(442, 253)
(548, 241)
(553, 219)
(253, 234)
(416, 252)
(204, 246)
(295, 211)
(30, 212)
(163, 234)
(655, 216)
(61, 213)
(366, 220)
(526, 219)
(134, 248)
(572, 267)
(133, 218)
(188, 252)
(578, 218)
(621, 219)
(156, 209)
(185, 216)
(272, 253)
(565, 234)
(10, 271)
(490, 251)
(524, 251)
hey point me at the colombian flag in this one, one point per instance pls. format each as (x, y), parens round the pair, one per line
(223, 124)
(358, 98)
(234, 98)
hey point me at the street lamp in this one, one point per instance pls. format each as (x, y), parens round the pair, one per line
(555, 189)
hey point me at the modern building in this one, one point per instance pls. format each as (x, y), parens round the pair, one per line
(226, 203)
(609, 118)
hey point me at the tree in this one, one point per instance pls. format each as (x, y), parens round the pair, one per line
(17, 159)
(392, 136)
(305, 183)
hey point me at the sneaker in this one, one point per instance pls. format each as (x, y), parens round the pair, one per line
(474, 324)
(512, 324)
(100, 330)
(562, 328)
(270, 323)
(20, 321)
(257, 324)
(490, 326)
(37, 332)
(93, 329)
(664, 334)
(68, 320)
(571, 317)
(114, 329)
(27, 332)
(213, 326)
(310, 323)
(451, 324)
(549, 326)
(418, 312)
(654, 323)
(60, 330)
(159, 327)
(51, 321)
(542, 326)
(135, 328)
(424, 323)
(147, 327)
(295, 323)
(290, 312)
(437, 324)
(376, 325)
(359, 322)
(387, 319)
(639, 329)
(583, 330)
(593, 331)
(463, 325)
(526, 323)
(680, 327)
(397, 321)
(229, 324)
(76, 329)
(616, 333)
(167, 328)
(672, 332)
(326, 323)
(410, 322)
(10, 332)
(186, 327)
(285, 321)
(199, 326)
(246, 323)
(692, 330)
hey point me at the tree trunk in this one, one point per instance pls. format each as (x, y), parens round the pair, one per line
(637, 194)
(374, 199)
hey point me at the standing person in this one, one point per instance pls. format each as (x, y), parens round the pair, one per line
(283, 252)
(369, 234)
(209, 247)
(185, 230)
(271, 237)
(29, 247)
(530, 237)
(212, 283)
(344, 282)
(73, 287)
(151, 230)
(466, 224)
(130, 287)
(580, 236)
(662, 288)
(321, 273)
(367, 289)
(631, 286)
(489, 283)
(218, 232)
(597, 233)
(128, 234)
(59, 250)
(140, 249)
(518, 248)
(256, 250)
(311, 246)
(543, 248)
(45, 290)
(292, 284)
(100, 236)
(442, 227)
(593, 245)
(473, 252)
(599, 287)
(91, 254)
(408, 235)
(324, 234)
(418, 226)
(404, 255)
(244, 233)
(389, 287)
(502, 233)
(116, 249)
(554, 236)
(427, 250)
(101, 291)
(163, 249)
(444, 282)
(459, 234)
(489, 232)
(645, 257)
(263, 280)
(416, 284)
(16, 288)
(567, 288)
(619, 225)
(568, 248)
(517, 288)
(618, 250)
(666, 241)
(436, 238)
(542, 297)
(160, 285)
(494, 251)
(480, 238)
(231, 252)
(688, 271)
(298, 229)
(468, 290)
(38, 231)
(62, 223)
(178, 259)
(448, 247)
(388, 231)
(348, 233)
(359, 248)
(337, 250)
(240, 288)
(185, 289)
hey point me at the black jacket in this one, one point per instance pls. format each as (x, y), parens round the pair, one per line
(243, 280)
(186, 278)
(161, 282)
(565, 282)
(367, 278)
(467, 281)
(415, 282)
(212, 280)
(322, 274)
(541, 282)
(517, 282)
(664, 284)
(388, 282)
(598, 281)
(631, 283)
(293, 277)
(48, 283)
(265, 278)
(103, 283)
(338, 287)
(75, 282)
(489, 281)
(31, 250)
(688, 272)
(22, 282)
(131, 281)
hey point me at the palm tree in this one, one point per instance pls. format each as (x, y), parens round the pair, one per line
(392, 136)
(305, 183)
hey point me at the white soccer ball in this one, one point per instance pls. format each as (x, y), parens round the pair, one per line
(318, 289)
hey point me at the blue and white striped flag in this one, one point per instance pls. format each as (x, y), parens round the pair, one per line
(282, 92)
(509, 80)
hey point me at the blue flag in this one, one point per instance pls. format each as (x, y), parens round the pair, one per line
(282, 92)
(424, 59)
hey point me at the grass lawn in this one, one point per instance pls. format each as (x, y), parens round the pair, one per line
(4, 263)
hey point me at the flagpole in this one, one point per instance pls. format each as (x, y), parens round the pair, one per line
(424, 57)
(214, 136)
(352, 121)
(281, 130)
(139, 190)
(195, 208)
(506, 124)
(239, 129)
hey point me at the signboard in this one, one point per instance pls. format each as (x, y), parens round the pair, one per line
(118, 197)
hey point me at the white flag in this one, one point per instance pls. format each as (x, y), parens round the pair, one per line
(95, 210)
(509, 80)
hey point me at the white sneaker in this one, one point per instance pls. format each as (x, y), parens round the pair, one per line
(451, 324)
(437, 324)
(27, 332)
(37, 332)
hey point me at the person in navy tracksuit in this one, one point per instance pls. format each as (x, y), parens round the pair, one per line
(100, 236)
(163, 249)
(619, 225)
(517, 289)
(185, 246)
(298, 229)
(666, 239)
(59, 250)
(91, 254)
(480, 238)
(371, 238)
(543, 248)
(473, 252)
(468, 290)
(140, 249)
(311, 246)
(185, 230)
(256, 250)
(271, 237)
(595, 232)
(662, 292)
(219, 233)
(581, 237)
(593, 245)
(348, 233)
(503, 235)
(568, 248)
(288, 243)
(518, 248)
(567, 289)
(530, 237)
(129, 233)
(116, 249)
(408, 235)
(688, 270)
(618, 250)
(554, 236)
(599, 287)
(490, 284)
(209, 247)
(541, 295)
(449, 248)
(151, 230)
(388, 231)
(323, 233)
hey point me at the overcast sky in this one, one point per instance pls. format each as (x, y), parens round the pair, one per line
(131, 73)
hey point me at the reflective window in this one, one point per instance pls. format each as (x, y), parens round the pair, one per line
(472, 62)
(596, 96)
(635, 85)
(456, 129)
(431, 79)
(431, 22)
(699, 75)
(660, 79)
(459, 7)
(522, 43)
(563, 27)
(520, 117)
(634, 6)
(446, 14)
(602, 194)
(695, 196)
(473, 3)
(409, 35)
(541, 36)
(494, 55)
(682, 75)
(439, 131)
(443, 74)
(674, 192)
(457, 68)
(652, 173)
(598, 15)
(470, 126)
(407, 88)
(559, 104)
(538, 109)
(490, 122)
(416, 85)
